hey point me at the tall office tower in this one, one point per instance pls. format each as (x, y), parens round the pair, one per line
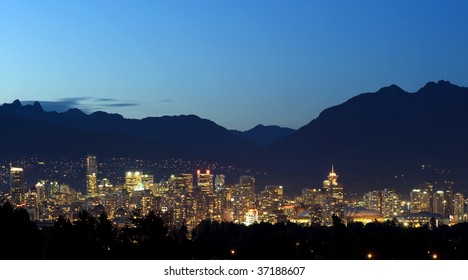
(105, 187)
(247, 181)
(147, 180)
(40, 192)
(332, 204)
(251, 217)
(439, 202)
(220, 181)
(332, 187)
(415, 200)
(449, 209)
(91, 175)
(373, 201)
(133, 180)
(428, 198)
(142, 199)
(181, 199)
(205, 181)
(311, 196)
(17, 186)
(427, 202)
(458, 205)
(181, 183)
(271, 203)
(390, 203)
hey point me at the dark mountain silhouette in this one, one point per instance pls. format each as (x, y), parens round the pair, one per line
(34, 137)
(375, 140)
(74, 132)
(373, 137)
(263, 135)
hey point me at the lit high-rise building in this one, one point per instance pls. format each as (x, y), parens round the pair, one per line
(205, 181)
(458, 205)
(133, 180)
(271, 203)
(251, 217)
(311, 196)
(91, 175)
(422, 200)
(17, 186)
(439, 202)
(332, 203)
(332, 187)
(91, 165)
(181, 199)
(220, 181)
(449, 208)
(415, 200)
(373, 201)
(390, 203)
(246, 180)
(181, 183)
(428, 199)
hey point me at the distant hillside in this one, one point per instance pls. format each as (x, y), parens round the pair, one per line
(375, 140)
(263, 135)
(101, 133)
(374, 137)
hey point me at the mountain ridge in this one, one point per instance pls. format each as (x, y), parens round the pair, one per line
(371, 138)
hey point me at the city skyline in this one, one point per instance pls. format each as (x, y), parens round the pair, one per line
(187, 213)
(277, 63)
(192, 192)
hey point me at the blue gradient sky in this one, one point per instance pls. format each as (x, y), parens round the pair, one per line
(238, 63)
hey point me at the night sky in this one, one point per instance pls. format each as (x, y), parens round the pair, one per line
(238, 63)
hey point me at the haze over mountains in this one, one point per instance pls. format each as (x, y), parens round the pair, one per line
(372, 138)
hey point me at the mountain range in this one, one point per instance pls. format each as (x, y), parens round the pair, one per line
(375, 140)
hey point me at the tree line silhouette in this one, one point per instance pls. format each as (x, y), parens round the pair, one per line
(148, 237)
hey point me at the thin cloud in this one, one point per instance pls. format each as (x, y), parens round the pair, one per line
(84, 103)
(120, 105)
(106, 100)
(58, 106)
(167, 100)
(75, 99)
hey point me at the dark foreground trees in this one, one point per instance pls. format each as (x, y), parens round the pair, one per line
(19, 237)
(148, 238)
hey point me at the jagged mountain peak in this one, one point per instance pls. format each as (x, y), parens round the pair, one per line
(37, 106)
(441, 87)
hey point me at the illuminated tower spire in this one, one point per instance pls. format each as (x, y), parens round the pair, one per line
(332, 177)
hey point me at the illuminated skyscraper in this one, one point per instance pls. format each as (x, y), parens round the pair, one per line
(220, 181)
(458, 205)
(439, 202)
(205, 181)
(415, 200)
(428, 199)
(133, 181)
(17, 186)
(249, 181)
(311, 197)
(181, 183)
(332, 204)
(449, 208)
(332, 187)
(271, 203)
(390, 203)
(422, 200)
(373, 201)
(91, 175)
(251, 217)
